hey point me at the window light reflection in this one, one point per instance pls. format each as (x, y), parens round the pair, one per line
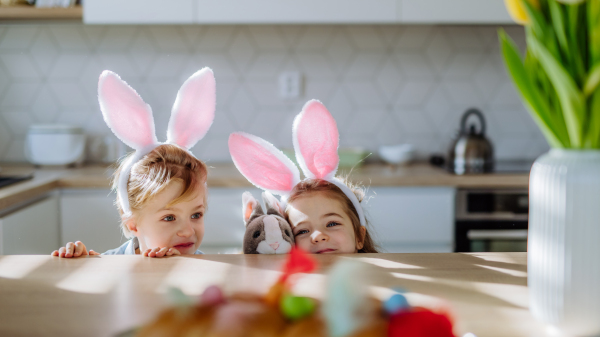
(512, 272)
(19, 266)
(98, 275)
(387, 263)
(192, 276)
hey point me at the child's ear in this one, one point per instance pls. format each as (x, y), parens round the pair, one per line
(250, 207)
(273, 205)
(132, 226)
(360, 242)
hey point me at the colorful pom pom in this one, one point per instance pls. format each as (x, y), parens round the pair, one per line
(298, 262)
(212, 295)
(420, 322)
(395, 304)
(295, 307)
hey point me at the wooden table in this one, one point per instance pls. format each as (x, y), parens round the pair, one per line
(101, 296)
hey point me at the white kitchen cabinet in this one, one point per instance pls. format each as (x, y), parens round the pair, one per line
(295, 12)
(31, 229)
(412, 219)
(453, 12)
(90, 216)
(139, 11)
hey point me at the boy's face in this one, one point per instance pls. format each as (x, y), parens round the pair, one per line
(180, 226)
(321, 226)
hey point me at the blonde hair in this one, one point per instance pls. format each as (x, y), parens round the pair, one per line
(154, 172)
(308, 186)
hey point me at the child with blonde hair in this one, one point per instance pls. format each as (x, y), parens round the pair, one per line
(161, 187)
(325, 212)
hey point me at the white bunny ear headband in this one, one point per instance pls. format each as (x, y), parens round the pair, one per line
(316, 138)
(130, 118)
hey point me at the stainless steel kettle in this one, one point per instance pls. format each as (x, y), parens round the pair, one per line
(471, 151)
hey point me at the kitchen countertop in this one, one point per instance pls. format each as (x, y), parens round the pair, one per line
(226, 175)
(486, 293)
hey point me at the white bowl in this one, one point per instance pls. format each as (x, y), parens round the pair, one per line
(397, 154)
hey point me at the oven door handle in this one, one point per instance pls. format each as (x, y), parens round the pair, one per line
(508, 234)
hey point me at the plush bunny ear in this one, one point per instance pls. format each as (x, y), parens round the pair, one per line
(194, 109)
(273, 205)
(316, 140)
(262, 164)
(127, 115)
(250, 207)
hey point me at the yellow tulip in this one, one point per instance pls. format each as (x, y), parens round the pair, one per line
(517, 11)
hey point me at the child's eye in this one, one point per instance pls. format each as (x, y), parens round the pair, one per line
(333, 223)
(302, 231)
(197, 216)
(169, 218)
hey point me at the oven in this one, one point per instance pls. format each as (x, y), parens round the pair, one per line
(491, 220)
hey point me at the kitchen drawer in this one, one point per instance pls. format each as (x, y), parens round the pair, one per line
(31, 229)
(412, 218)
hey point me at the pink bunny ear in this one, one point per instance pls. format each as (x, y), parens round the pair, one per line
(249, 206)
(194, 109)
(127, 115)
(262, 164)
(316, 140)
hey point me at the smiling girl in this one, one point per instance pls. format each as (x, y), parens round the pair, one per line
(324, 220)
(324, 211)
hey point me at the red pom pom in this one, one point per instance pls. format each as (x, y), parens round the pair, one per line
(420, 322)
(298, 262)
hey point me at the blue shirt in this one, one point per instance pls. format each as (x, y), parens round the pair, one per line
(129, 247)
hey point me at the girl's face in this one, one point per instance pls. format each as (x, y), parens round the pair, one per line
(180, 226)
(321, 226)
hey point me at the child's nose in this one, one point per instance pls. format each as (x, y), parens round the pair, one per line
(187, 230)
(318, 237)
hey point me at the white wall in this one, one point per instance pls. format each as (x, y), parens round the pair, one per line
(384, 84)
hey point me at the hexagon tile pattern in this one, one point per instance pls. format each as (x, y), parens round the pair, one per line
(384, 84)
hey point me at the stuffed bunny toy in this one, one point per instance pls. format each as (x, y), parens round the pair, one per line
(266, 233)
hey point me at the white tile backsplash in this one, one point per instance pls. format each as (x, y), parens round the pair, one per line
(384, 84)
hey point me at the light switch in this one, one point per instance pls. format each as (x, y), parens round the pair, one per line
(290, 84)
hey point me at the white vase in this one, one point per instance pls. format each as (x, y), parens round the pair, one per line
(563, 260)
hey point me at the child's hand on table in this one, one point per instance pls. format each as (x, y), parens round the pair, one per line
(76, 249)
(160, 252)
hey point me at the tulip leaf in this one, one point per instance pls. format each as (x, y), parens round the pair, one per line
(571, 98)
(538, 108)
(558, 22)
(593, 14)
(594, 123)
(592, 81)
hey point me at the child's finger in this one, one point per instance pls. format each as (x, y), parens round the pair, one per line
(54, 253)
(69, 249)
(79, 249)
(93, 252)
(174, 251)
(152, 252)
(162, 252)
